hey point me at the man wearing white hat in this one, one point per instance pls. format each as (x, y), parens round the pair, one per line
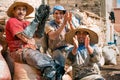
(84, 55)
(19, 33)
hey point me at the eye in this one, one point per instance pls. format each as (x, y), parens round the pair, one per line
(56, 13)
(24, 9)
(61, 13)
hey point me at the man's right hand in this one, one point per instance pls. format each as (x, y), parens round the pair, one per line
(42, 13)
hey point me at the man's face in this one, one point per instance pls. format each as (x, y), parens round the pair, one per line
(81, 35)
(58, 16)
(20, 12)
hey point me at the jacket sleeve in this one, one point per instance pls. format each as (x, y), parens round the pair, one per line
(71, 58)
(95, 56)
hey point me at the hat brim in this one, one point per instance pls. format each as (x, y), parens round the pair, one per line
(64, 11)
(30, 9)
(93, 35)
(60, 8)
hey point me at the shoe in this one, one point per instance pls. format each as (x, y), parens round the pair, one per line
(59, 77)
(49, 73)
(100, 79)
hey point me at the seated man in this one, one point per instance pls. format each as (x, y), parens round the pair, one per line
(55, 29)
(19, 33)
(84, 55)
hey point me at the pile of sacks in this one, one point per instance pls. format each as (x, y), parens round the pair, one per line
(109, 55)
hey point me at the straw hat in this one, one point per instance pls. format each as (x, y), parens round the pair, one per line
(92, 34)
(19, 2)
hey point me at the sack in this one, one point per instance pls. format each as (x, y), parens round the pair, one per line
(9, 62)
(4, 70)
(26, 72)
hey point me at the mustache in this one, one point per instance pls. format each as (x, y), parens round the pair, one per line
(20, 13)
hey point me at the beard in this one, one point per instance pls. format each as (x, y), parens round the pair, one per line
(81, 41)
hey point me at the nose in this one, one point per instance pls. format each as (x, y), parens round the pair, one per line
(22, 10)
(59, 15)
(80, 35)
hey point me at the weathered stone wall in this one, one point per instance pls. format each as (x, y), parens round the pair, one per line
(95, 6)
(3, 8)
(95, 10)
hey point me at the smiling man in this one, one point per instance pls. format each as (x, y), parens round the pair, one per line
(21, 45)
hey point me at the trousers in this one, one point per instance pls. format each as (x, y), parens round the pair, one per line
(32, 57)
(50, 68)
(37, 59)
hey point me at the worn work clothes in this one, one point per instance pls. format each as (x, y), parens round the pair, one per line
(58, 45)
(20, 51)
(37, 59)
(60, 40)
(83, 63)
(59, 55)
(13, 27)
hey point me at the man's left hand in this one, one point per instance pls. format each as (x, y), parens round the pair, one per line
(87, 41)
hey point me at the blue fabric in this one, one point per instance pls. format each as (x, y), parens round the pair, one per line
(83, 51)
(36, 59)
(81, 46)
(58, 7)
(61, 47)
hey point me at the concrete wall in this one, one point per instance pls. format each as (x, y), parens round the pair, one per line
(117, 19)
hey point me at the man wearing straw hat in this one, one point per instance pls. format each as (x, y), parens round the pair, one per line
(19, 33)
(84, 54)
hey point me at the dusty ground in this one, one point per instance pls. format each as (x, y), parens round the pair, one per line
(111, 72)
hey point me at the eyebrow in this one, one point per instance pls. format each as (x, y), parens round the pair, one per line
(82, 32)
(20, 5)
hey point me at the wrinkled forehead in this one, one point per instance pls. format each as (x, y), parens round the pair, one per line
(59, 11)
(24, 6)
(81, 32)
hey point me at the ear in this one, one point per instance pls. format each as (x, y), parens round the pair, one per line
(13, 12)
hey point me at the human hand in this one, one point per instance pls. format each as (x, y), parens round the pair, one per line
(87, 41)
(65, 19)
(76, 45)
(70, 18)
(31, 41)
(1, 47)
(75, 42)
(42, 13)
